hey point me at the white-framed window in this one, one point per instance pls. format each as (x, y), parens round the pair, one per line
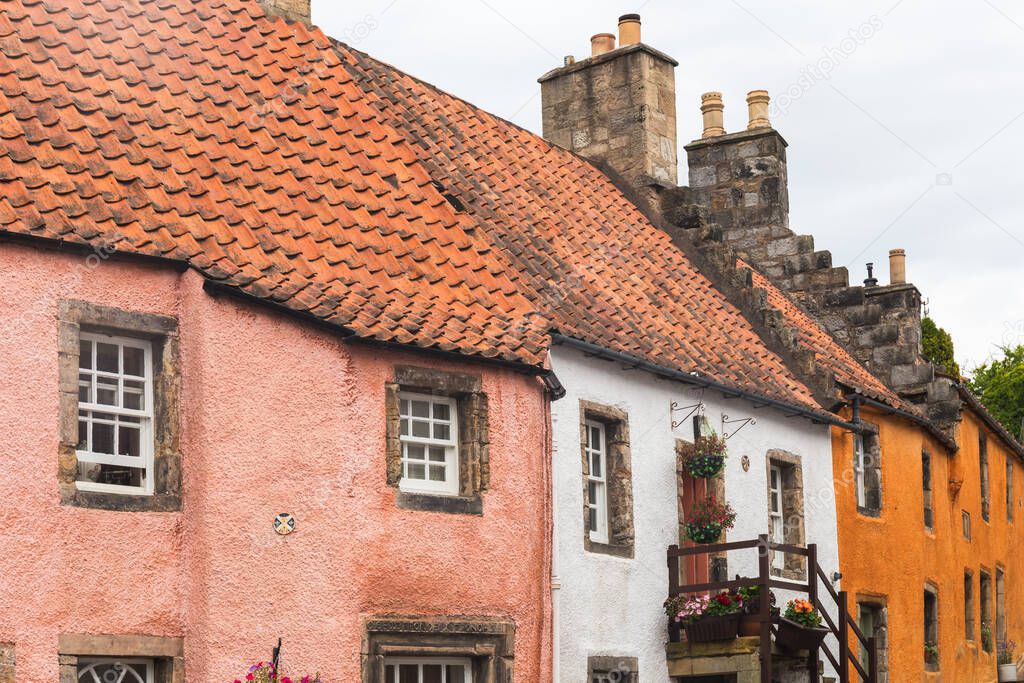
(430, 447)
(115, 414)
(427, 670)
(597, 480)
(109, 670)
(776, 520)
(859, 469)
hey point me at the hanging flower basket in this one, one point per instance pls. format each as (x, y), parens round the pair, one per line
(800, 627)
(704, 458)
(709, 519)
(703, 534)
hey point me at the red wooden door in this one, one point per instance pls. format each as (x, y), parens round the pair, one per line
(691, 489)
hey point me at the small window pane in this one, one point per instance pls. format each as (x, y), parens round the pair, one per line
(134, 361)
(456, 674)
(432, 673)
(420, 409)
(442, 412)
(405, 427)
(437, 454)
(417, 471)
(128, 441)
(83, 434)
(408, 673)
(107, 357)
(595, 465)
(437, 473)
(102, 437)
(85, 354)
(421, 429)
(595, 438)
(106, 391)
(442, 431)
(403, 406)
(85, 388)
(593, 492)
(415, 452)
(134, 397)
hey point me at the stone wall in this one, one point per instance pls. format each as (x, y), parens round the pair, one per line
(738, 197)
(6, 663)
(293, 10)
(618, 108)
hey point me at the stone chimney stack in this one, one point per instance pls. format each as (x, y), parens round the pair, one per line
(292, 10)
(897, 267)
(618, 107)
(740, 178)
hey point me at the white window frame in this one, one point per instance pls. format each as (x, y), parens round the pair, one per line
(148, 666)
(145, 460)
(422, 661)
(598, 507)
(450, 486)
(859, 469)
(776, 517)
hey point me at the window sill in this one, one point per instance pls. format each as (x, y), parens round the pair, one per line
(869, 512)
(453, 505)
(611, 549)
(118, 502)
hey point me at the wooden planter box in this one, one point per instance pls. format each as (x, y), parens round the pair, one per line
(711, 629)
(793, 636)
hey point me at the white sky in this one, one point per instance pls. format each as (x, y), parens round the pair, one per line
(914, 140)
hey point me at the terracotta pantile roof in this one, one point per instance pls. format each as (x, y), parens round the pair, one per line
(311, 176)
(828, 352)
(595, 265)
(206, 132)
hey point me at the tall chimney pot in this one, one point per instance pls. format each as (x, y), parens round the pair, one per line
(713, 109)
(897, 267)
(602, 43)
(629, 29)
(757, 106)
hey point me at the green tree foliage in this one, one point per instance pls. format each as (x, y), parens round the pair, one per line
(999, 384)
(937, 346)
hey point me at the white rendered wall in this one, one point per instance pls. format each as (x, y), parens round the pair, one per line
(611, 606)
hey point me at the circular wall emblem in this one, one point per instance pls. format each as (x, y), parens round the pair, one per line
(284, 524)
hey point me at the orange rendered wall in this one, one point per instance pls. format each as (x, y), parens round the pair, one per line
(894, 556)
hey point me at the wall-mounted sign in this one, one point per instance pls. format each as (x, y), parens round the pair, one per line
(745, 462)
(284, 524)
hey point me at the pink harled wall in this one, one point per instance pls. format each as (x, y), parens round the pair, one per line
(276, 417)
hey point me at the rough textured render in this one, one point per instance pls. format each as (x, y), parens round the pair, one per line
(277, 416)
(620, 108)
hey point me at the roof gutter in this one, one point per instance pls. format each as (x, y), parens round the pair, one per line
(669, 373)
(858, 399)
(978, 407)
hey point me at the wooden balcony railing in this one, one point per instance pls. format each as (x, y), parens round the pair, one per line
(841, 627)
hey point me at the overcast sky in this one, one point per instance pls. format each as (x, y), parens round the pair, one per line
(914, 137)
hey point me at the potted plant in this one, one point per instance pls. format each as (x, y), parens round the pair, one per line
(1007, 665)
(705, 457)
(986, 636)
(800, 627)
(265, 672)
(707, 619)
(709, 519)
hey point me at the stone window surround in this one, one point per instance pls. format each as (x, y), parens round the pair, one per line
(795, 566)
(168, 653)
(488, 643)
(627, 668)
(879, 603)
(872, 472)
(474, 444)
(162, 331)
(619, 479)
